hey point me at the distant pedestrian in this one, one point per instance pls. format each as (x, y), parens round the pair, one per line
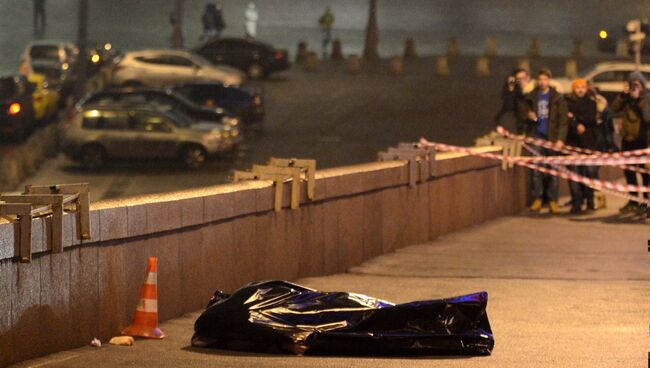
(545, 111)
(251, 15)
(634, 103)
(212, 21)
(507, 115)
(582, 133)
(40, 18)
(326, 22)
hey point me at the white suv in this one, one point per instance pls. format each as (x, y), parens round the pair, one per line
(168, 67)
(608, 78)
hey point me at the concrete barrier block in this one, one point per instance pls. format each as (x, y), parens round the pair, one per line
(8, 236)
(417, 225)
(245, 248)
(135, 269)
(112, 285)
(84, 293)
(56, 320)
(394, 217)
(163, 216)
(219, 206)
(136, 220)
(245, 202)
(192, 211)
(293, 243)
(193, 295)
(113, 223)
(351, 231)
(70, 230)
(7, 272)
(94, 228)
(263, 223)
(26, 310)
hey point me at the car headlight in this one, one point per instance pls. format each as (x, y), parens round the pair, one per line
(234, 132)
(229, 121)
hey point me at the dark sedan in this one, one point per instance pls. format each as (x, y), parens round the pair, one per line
(255, 58)
(247, 103)
(16, 107)
(162, 97)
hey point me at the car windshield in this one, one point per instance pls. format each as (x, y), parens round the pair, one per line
(44, 52)
(179, 119)
(48, 71)
(7, 88)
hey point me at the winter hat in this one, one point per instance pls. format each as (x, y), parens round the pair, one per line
(638, 77)
(578, 83)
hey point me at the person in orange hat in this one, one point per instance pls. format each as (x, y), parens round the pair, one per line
(582, 116)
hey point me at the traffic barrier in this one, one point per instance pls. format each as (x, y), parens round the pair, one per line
(396, 66)
(452, 47)
(533, 51)
(483, 66)
(145, 320)
(409, 49)
(354, 64)
(491, 46)
(442, 66)
(570, 150)
(614, 188)
(571, 68)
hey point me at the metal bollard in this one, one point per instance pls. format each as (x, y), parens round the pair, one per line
(571, 68)
(452, 47)
(409, 49)
(442, 66)
(483, 66)
(337, 50)
(491, 46)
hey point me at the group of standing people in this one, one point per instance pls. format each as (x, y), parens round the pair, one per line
(214, 23)
(581, 118)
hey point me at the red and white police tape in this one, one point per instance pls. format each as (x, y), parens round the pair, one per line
(570, 150)
(615, 188)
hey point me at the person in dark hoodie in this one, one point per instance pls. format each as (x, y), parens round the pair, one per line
(634, 103)
(545, 111)
(582, 132)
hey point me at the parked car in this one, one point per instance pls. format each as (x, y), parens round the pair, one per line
(609, 78)
(97, 133)
(60, 76)
(247, 103)
(255, 58)
(46, 99)
(16, 107)
(48, 51)
(166, 67)
(165, 97)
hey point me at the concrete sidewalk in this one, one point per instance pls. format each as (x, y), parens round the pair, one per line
(564, 292)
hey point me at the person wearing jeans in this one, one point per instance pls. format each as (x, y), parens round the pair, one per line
(545, 111)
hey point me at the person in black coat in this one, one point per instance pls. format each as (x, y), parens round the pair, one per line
(583, 133)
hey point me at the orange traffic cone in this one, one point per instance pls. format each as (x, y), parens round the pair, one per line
(145, 321)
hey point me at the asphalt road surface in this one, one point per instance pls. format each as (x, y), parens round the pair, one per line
(330, 116)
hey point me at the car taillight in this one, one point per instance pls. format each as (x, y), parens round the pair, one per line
(278, 55)
(14, 108)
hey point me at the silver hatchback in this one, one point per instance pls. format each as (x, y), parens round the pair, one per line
(96, 134)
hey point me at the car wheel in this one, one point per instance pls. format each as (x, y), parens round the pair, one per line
(93, 156)
(255, 71)
(194, 156)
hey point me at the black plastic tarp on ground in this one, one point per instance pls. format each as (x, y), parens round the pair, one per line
(278, 316)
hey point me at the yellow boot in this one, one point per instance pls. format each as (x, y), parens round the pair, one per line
(536, 206)
(553, 207)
